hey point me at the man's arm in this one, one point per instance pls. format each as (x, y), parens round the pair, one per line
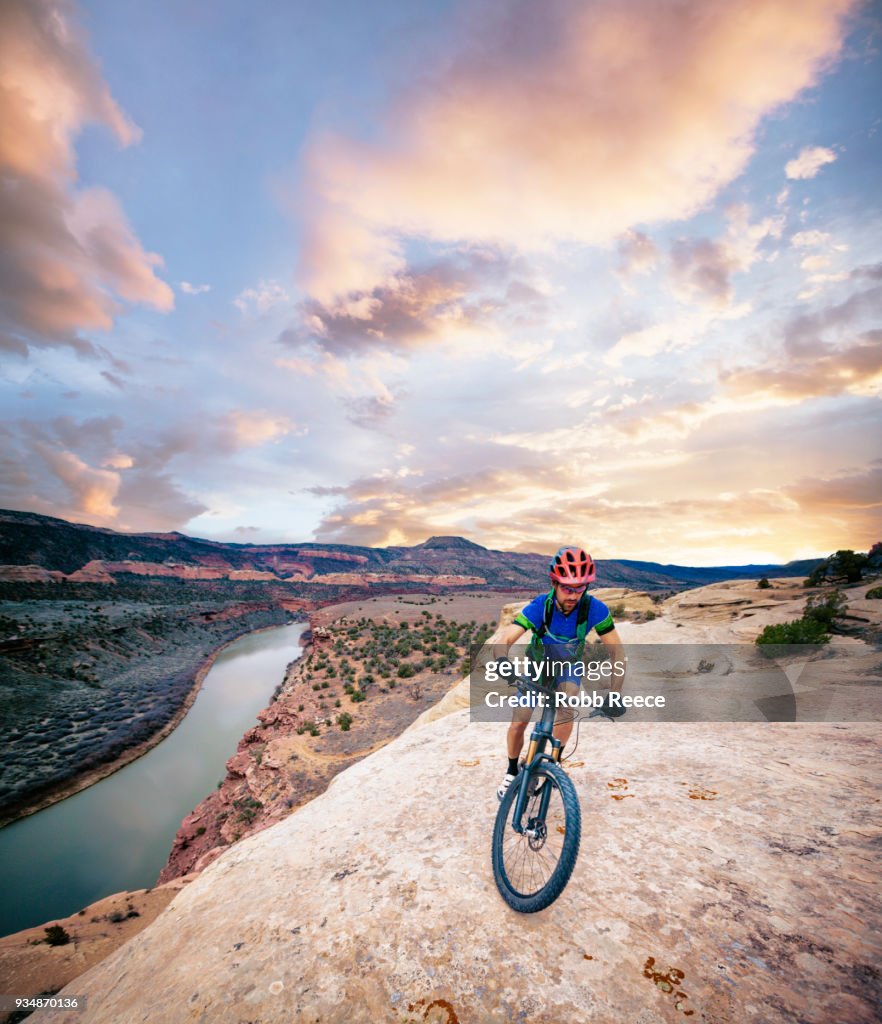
(508, 635)
(617, 651)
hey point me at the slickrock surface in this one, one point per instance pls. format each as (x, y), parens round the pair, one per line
(727, 873)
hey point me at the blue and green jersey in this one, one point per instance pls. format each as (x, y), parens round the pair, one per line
(562, 631)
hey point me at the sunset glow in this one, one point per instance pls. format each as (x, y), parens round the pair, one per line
(599, 272)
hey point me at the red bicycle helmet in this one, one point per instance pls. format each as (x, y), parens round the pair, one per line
(573, 567)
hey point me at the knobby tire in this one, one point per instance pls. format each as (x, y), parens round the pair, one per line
(530, 902)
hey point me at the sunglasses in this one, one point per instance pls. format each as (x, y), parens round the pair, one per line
(573, 590)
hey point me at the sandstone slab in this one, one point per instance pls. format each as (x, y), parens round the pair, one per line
(728, 872)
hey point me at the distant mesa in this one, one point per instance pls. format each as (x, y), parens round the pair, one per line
(451, 544)
(37, 548)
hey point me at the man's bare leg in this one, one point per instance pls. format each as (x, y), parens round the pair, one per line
(515, 738)
(565, 717)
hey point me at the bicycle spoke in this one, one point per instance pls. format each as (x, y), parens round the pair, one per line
(530, 868)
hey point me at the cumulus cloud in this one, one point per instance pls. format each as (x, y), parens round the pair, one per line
(251, 428)
(91, 491)
(809, 162)
(810, 239)
(457, 294)
(266, 296)
(853, 489)
(371, 411)
(77, 469)
(395, 507)
(816, 262)
(518, 137)
(830, 351)
(702, 268)
(638, 254)
(154, 501)
(849, 503)
(682, 331)
(817, 371)
(406, 310)
(66, 251)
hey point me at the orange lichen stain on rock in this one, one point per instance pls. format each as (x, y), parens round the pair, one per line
(441, 1005)
(668, 982)
(469, 764)
(699, 792)
(619, 784)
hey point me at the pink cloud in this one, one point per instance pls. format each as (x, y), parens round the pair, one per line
(562, 120)
(92, 491)
(418, 305)
(66, 252)
(638, 253)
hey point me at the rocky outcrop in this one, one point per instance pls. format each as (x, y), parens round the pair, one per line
(29, 574)
(440, 580)
(716, 880)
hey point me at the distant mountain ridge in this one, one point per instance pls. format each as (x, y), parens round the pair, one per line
(55, 545)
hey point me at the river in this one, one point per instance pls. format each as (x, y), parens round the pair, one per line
(118, 833)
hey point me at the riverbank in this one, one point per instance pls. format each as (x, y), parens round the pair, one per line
(95, 774)
(333, 708)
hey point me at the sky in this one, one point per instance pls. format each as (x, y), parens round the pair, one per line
(605, 272)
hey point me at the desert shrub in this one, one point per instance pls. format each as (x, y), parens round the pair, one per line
(405, 671)
(845, 565)
(799, 631)
(344, 720)
(823, 609)
(763, 584)
(874, 593)
(248, 806)
(357, 696)
(56, 935)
